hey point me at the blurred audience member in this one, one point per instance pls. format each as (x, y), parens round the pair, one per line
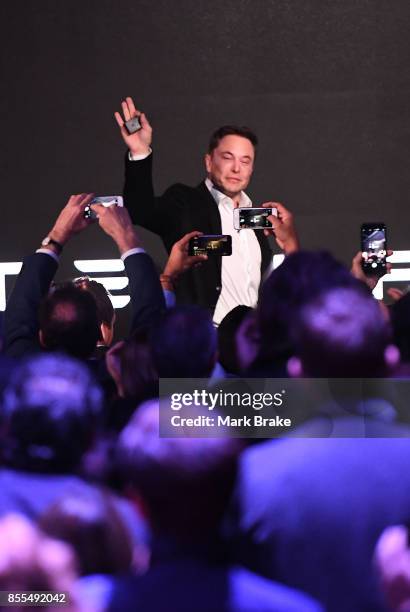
(185, 486)
(184, 343)
(228, 355)
(31, 561)
(52, 417)
(300, 278)
(342, 333)
(392, 562)
(90, 523)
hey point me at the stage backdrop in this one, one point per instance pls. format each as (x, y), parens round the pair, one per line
(325, 84)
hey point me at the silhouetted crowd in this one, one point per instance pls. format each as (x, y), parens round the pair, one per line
(102, 512)
(96, 504)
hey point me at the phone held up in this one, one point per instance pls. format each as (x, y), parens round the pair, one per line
(374, 248)
(105, 201)
(217, 244)
(253, 218)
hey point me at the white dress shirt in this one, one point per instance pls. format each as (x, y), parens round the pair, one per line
(241, 271)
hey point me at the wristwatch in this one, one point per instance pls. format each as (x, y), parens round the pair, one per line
(47, 240)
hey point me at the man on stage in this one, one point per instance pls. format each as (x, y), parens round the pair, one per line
(221, 283)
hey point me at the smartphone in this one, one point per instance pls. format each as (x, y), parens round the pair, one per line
(105, 201)
(217, 244)
(253, 218)
(374, 248)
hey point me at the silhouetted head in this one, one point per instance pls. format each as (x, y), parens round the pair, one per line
(342, 333)
(90, 523)
(69, 321)
(105, 309)
(299, 279)
(184, 343)
(185, 483)
(51, 413)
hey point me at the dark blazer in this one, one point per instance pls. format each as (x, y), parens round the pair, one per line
(308, 512)
(181, 209)
(32, 285)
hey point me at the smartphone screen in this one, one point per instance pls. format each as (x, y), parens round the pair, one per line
(210, 245)
(254, 218)
(374, 248)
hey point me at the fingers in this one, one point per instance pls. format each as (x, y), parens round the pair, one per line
(185, 239)
(144, 121)
(125, 111)
(131, 107)
(395, 294)
(119, 119)
(80, 199)
(97, 207)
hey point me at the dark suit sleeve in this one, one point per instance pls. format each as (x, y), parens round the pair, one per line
(21, 315)
(157, 214)
(147, 299)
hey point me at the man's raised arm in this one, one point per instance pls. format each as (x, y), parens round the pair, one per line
(147, 300)
(21, 324)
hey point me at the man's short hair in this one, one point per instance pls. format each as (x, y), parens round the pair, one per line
(52, 410)
(232, 130)
(299, 279)
(105, 309)
(69, 321)
(342, 333)
(184, 343)
(186, 483)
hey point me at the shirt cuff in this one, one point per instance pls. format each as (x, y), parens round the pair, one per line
(169, 297)
(132, 252)
(49, 252)
(132, 157)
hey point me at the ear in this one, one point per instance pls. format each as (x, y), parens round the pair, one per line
(295, 368)
(391, 356)
(41, 338)
(107, 333)
(208, 162)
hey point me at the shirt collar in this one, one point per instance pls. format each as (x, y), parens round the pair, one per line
(219, 197)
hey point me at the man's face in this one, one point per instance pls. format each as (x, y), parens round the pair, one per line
(230, 165)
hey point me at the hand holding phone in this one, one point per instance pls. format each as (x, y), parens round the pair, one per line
(104, 201)
(253, 218)
(374, 248)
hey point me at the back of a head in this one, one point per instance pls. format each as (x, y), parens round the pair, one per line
(342, 333)
(186, 483)
(69, 321)
(30, 561)
(51, 414)
(184, 343)
(301, 277)
(105, 309)
(92, 526)
(227, 330)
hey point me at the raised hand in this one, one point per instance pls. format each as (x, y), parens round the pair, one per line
(71, 219)
(283, 228)
(139, 142)
(115, 221)
(179, 260)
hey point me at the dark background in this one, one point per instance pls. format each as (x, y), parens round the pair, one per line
(324, 84)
